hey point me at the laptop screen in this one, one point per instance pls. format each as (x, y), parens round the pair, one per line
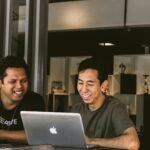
(54, 128)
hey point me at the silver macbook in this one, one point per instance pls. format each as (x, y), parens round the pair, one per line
(54, 128)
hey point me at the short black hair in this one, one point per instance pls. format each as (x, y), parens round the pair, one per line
(12, 62)
(91, 63)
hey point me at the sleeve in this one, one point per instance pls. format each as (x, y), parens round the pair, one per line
(120, 118)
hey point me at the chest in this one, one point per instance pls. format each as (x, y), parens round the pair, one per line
(9, 119)
(98, 124)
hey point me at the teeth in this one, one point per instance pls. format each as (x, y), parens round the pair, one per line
(85, 96)
(18, 92)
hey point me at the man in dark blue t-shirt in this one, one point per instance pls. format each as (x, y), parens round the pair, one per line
(14, 97)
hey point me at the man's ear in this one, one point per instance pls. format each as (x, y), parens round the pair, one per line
(105, 86)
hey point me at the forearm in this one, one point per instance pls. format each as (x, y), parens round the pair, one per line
(117, 142)
(128, 140)
(13, 136)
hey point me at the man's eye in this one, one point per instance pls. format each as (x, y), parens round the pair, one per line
(89, 84)
(80, 83)
(24, 81)
(12, 82)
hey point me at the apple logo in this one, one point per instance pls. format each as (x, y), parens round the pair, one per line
(53, 130)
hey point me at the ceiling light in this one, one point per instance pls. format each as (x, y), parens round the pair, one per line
(106, 44)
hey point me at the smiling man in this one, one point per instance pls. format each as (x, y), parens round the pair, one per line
(106, 121)
(14, 97)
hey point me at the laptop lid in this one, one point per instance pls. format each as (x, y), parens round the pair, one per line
(54, 128)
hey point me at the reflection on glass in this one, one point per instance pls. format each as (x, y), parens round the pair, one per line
(17, 46)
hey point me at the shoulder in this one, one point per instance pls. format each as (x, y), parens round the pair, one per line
(117, 108)
(119, 115)
(33, 100)
(114, 104)
(31, 94)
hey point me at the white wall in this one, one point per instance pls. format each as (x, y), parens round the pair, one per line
(81, 14)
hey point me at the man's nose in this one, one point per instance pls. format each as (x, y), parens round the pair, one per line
(84, 88)
(19, 84)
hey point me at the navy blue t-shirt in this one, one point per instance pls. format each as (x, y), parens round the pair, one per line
(11, 119)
